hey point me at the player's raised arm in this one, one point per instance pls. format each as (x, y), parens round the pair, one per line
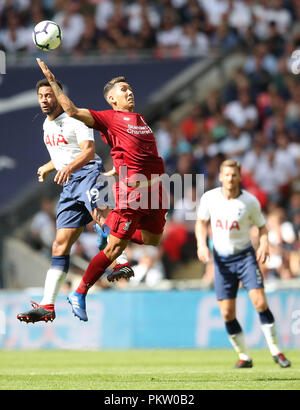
(81, 114)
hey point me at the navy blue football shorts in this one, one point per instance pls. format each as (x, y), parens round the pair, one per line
(232, 269)
(80, 196)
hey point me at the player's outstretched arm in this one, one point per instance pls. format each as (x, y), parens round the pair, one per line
(81, 114)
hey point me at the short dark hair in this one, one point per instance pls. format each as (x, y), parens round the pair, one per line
(45, 83)
(108, 86)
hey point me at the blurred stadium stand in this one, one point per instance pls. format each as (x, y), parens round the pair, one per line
(213, 79)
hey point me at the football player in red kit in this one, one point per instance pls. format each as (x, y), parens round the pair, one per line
(136, 161)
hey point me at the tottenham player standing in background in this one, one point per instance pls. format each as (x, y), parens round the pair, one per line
(231, 212)
(72, 150)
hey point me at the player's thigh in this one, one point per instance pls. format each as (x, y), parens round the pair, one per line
(65, 238)
(123, 222)
(152, 226)
(150, 238)
(259, 299)
(225, 279)
(227, 309)
(252, 279)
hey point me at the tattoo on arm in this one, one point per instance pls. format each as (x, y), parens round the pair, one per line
(63, 100)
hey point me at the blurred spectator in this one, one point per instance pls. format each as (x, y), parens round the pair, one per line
(168, 35)
(90, 36)
(193, 43)
(223, 38)
(86, 245)
(42, 229)
(163, 137)
(236, 144)
(140, 11)
(15, 37)
(71, 23)
(242, 112)
(147, 266)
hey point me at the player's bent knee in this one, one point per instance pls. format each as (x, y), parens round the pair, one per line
(228, 315)
(261, 306)
(59, 247)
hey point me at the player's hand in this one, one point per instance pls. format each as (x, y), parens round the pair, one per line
(47, 73)
(262, 254)
(63, 176)
(42, 173)
(110, 173)
(203, 254)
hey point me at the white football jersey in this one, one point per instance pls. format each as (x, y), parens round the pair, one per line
(231, 219)
(62, 137)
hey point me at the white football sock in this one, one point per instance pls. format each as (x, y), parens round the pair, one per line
(53, 282)
(122, 258)
(270, 333)
(239, 344)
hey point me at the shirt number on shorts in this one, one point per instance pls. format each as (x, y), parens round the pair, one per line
(93, 195)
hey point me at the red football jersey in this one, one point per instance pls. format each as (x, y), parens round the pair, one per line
(132, 141)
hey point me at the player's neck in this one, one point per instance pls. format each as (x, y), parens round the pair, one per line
(123, 109)
(231, 193)
(55, 114)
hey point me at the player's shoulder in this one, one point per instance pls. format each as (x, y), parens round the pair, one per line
(70, 121)
(211, 194)
(248, 197)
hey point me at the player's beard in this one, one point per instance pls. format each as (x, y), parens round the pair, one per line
(50, 109)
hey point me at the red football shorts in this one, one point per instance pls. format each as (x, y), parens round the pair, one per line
(138, 208)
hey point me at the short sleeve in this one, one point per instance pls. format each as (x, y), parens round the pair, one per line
(203, 209)
(83, 133)
(256, 213)
(102, 120)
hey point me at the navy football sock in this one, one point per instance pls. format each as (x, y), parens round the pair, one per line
(233, 327)
(266, 317)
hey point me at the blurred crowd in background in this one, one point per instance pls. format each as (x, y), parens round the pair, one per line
(254, 118)
(167, 27)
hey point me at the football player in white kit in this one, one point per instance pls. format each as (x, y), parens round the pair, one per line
(72, 150)
(231, 212)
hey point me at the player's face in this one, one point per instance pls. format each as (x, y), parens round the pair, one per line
(230, 178)
(122, 97)
(47, 100)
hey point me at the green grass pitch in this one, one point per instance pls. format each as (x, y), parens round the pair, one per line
(144, 370)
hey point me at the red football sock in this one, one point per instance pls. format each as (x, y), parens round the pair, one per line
(94, 271)
(137, 237)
